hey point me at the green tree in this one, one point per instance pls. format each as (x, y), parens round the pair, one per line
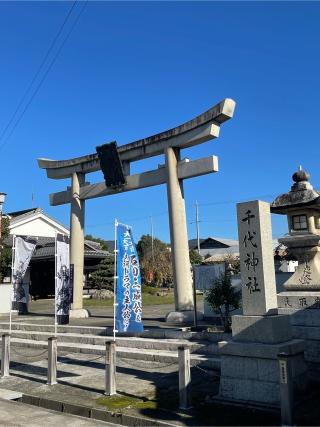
(224, 298)
(195, 257)
(103, 243)
(155, 261)
(102, 278)
(5, 250)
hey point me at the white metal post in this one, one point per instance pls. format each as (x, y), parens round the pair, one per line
(12, 293)
(55, 285)
(110, 372)
(115, 278)
(184, 378)
(5, 355)
(52, 361)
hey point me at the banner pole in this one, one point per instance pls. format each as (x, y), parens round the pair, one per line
(55, 284)
(12, 267)
(115, 278)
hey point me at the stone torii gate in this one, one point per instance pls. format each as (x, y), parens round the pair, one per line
(170, 143)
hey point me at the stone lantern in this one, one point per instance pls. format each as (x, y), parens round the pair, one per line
(301, 297)
(302, 207)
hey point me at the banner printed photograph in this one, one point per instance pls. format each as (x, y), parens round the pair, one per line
(63, 282)
(23, 251)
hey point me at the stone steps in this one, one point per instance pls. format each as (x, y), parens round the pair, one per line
(207, 348)
(152, 355)
(152, 345)
(165, 333)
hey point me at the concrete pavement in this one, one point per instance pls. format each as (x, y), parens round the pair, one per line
(19, 414)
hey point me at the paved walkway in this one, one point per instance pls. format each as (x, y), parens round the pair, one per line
(19, 414)
(154, 316)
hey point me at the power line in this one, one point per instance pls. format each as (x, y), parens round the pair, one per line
(226, 202)
(38, 71)
(137, 219)
(212, 221)
(44, 76)
(143, 218)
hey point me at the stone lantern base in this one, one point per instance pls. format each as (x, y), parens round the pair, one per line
(306, 249)
(303, 309)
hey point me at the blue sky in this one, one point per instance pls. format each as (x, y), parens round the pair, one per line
(132, 69)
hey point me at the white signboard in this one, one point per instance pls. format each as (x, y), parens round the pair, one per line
(205, 275)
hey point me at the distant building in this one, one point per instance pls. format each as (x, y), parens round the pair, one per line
(215, 250)
(34, 222)
(215, 247)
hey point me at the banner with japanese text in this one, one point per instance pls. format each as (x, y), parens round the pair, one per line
(128, 290)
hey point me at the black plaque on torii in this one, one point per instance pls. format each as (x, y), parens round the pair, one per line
(111, 165)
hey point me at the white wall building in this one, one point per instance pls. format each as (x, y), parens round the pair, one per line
(34, 222)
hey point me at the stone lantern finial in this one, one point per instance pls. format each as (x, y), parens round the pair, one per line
(301, 175)
(301, 179)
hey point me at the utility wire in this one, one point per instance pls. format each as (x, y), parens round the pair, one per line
(143, 218)
(226, 202)
(44, 76)
(38, 71)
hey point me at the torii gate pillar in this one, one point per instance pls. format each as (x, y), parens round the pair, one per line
(77, 244)
(179, 239)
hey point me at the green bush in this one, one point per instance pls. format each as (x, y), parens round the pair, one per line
(103, 277)
(147, 289)
(224, 298)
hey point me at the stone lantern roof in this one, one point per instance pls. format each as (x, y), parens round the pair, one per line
(301, 195)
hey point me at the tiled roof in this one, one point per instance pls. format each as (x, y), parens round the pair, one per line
(20, 213)
(228, 242)
(28, 213)
(46, 248)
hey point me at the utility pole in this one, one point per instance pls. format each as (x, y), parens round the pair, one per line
(152, 238)
(197, 226)
(2, 199)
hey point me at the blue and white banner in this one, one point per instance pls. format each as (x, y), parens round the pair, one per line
(128, 292)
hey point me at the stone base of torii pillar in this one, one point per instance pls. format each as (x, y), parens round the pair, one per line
(79, 313)
(180, 317)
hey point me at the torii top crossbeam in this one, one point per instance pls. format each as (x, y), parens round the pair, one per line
(200, 129)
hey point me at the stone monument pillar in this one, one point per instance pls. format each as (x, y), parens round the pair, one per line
(249, 364)
(301, 297)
